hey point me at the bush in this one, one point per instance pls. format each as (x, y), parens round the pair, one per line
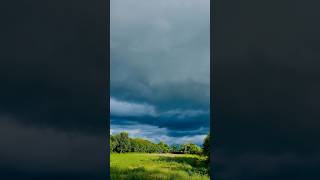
(190, 149)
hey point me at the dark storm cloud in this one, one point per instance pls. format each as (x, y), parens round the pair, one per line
(143, 120)
(266, 83)
(157, 134)
(53, 89)
(184, 94)
(160, 65)
(173, 119)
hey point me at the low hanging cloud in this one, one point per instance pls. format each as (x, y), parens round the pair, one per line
(182, 114)
(157, 134)
(174, 119)
(123, 108)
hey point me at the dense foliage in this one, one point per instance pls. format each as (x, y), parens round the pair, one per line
(122, 143)
(206, 145)
(190, 149)
(206, 150)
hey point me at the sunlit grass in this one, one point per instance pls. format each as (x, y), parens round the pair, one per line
(138, 166)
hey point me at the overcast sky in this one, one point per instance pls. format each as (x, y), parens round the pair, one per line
(160, 69)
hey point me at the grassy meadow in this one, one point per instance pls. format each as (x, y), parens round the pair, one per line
(145, 166)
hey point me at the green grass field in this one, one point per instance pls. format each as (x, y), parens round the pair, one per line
(137, 166)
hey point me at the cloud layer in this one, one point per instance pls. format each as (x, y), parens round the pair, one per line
(121, 108)
(160, 64)
(157, 134)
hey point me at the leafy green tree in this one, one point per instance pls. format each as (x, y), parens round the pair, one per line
(194, 149)
(206, 146)
(190, 149)
(112, 144)
(206, 150)
(134, 145)
(174, 148)
(122, 142)
(163, 147)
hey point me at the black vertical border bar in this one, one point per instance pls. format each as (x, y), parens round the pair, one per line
(108, 87)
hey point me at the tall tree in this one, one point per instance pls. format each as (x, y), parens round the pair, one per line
(122, 141)
(206, 145)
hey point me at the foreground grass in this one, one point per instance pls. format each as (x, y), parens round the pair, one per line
(137, 166)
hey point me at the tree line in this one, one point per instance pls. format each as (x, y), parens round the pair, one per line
(122, 143)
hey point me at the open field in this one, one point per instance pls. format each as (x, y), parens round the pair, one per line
(143, 166)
